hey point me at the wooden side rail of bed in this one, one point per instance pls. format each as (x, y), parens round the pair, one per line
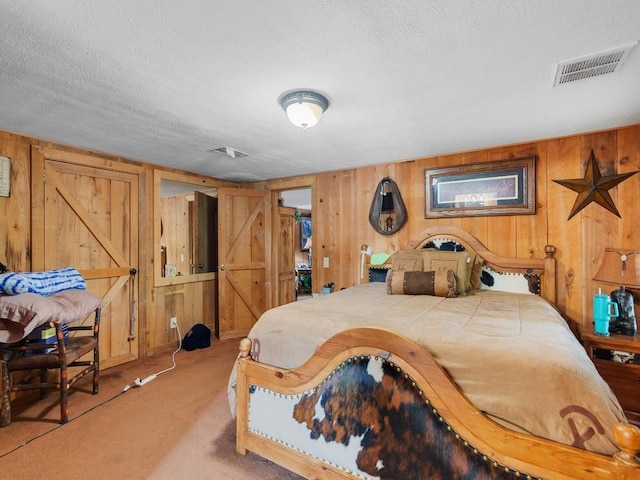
(440, 432)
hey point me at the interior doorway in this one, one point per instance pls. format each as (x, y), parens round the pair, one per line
(299, 201)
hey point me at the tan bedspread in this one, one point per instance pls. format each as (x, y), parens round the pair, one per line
(512, 355)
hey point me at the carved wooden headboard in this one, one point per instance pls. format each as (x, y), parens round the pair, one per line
(538, 273)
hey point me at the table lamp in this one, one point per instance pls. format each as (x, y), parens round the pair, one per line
(307, 246)
(621, 267)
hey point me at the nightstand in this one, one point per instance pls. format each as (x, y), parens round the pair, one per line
(617, 358)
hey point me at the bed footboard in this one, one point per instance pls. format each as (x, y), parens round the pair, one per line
(373, 404)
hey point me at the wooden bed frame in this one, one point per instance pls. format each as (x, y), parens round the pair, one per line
(497, 452)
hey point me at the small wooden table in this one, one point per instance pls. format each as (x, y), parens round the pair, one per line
(617, 358)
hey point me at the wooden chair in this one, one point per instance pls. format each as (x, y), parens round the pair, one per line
(61, 359)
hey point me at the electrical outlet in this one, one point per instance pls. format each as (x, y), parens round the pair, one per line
(173, 321)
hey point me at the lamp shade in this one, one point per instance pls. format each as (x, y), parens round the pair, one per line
(304, 107)
(308, 244)
(620, 267)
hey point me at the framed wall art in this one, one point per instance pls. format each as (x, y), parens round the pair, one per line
(503, 187)
(305, 234)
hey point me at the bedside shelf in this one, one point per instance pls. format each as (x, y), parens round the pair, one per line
(617, 359)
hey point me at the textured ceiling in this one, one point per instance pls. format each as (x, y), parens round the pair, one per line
(166, 81)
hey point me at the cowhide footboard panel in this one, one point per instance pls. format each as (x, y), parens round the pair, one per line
(369, 419)
(371, 404)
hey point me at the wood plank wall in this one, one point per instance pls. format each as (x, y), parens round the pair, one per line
(190, 302)
(341, 201)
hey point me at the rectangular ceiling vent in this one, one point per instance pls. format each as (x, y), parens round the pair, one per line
(592, 65)
(229, 152)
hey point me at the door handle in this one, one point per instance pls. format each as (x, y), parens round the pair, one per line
(222, 267)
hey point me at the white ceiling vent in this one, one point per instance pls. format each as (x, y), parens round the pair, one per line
(592, 65)
(229, 152)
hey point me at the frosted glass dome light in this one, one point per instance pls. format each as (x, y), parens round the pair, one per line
(304, 107)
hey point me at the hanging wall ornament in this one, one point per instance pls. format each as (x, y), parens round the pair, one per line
(387, 214)
(593, 187)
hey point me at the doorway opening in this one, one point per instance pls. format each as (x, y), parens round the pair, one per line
(299, 200)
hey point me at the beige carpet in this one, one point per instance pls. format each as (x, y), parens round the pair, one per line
(177, 426)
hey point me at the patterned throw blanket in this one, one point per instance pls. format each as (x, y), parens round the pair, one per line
(42, 283)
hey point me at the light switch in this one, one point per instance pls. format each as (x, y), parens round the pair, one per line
(325, 262)
(5, 176)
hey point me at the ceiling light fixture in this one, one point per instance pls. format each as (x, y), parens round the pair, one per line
(304, 107)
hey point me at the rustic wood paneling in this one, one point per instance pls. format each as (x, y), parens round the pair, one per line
(334, 235)
(190, 303)
(16, 237)
(599, 226)
(563, 163)
(579, 241)
(629, 191)
(341, 202)
(15, 223)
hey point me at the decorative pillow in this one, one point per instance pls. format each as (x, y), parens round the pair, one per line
(476, 271)
(378, 274)
(460, 262)
(407, 261)
(42, 283)
(20, 314)
(441, 283)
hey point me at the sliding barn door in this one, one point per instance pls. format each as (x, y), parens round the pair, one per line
(85, 215)
(244, 250)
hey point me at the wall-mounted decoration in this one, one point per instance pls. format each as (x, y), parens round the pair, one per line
(5, 176)
(305, 233)
(593, 187)
(387, 214)
(503, 187)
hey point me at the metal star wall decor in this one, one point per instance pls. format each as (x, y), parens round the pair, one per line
(594, 187)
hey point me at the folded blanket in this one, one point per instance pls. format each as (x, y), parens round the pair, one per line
(379, 258)
(43, 283)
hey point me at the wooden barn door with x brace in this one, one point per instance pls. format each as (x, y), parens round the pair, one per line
(85, 215)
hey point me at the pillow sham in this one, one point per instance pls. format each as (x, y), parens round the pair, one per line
(460, 262)
(407, 261)
(20, 314)
(440, 283)
(476, 272)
